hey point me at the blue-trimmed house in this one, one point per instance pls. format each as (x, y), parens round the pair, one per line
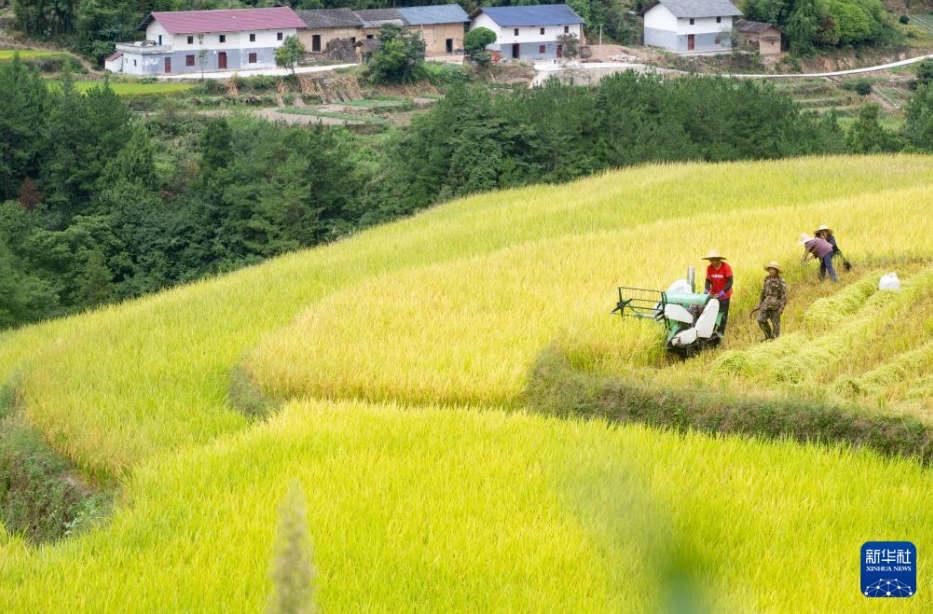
(528, 32)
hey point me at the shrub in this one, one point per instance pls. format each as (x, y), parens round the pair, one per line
(39, 495)
(443, 75)
(399, 58)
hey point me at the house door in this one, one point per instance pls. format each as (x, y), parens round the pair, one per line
(222, 60)
(450, 45)
(691, 42)
(560, 51)
(168, 65)
(515, 48)
(316, 43)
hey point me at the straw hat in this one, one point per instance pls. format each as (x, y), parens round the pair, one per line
(773, 265)
(822, 228)
(804, 238)
(713, 254)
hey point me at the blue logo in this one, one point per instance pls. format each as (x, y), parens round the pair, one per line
(889, 569)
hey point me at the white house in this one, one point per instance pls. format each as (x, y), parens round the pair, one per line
(528, 32)
(195, 41)
(690, 25)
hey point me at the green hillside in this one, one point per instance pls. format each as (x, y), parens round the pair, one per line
(389, 375)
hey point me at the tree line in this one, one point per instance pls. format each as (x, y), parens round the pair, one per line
(476, 139)
(98, 205)
(808, 24)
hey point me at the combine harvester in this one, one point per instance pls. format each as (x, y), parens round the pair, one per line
(692, 319)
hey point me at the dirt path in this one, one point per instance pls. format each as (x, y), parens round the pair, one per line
(275, 114)
(597, 69)
(302, 119)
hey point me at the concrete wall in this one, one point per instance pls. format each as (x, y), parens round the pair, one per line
(144, 64)
(114, 65)
(307, 36)
(659, 18)
(678, 42)
(665, 39)
(708, 42)
(155, 30)
(140, 63)
(483, 21)
(237, 59)
(435, 36)
(769, 42)
(211, 40)
(529, 51)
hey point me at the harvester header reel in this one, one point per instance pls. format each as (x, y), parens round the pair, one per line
(640, 303)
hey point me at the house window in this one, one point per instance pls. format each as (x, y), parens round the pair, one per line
(223, 37)
(189, 60)
(252, 58)
(691, 22)
(542, 30)
(566, 29)
(516, 31)
(719, 20)
(278, 36)
(542, 48)
(252, 38)
(190, 40)
(134, 62)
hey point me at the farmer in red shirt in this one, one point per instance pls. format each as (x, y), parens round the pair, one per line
(719, 284)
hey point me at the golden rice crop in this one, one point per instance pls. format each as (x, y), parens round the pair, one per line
(759, 358)
(443, 509)
(907, 367)
(872, 352)
(827, 312)
(469, 331)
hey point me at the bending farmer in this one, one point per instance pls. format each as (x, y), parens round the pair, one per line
(822, 251)
(773, 301)
(719, 284)
(826, 233)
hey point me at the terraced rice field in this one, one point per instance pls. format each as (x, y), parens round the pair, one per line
(396, 364)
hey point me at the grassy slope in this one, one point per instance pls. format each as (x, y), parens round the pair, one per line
(453, 509)
(33, 54)
(129, 89)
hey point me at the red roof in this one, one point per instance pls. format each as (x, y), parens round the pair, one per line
(225, 20)
(113, 56)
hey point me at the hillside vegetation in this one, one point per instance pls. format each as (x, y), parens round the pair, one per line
(392, 370)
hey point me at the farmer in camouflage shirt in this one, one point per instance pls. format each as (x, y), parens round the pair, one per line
(773, 302)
